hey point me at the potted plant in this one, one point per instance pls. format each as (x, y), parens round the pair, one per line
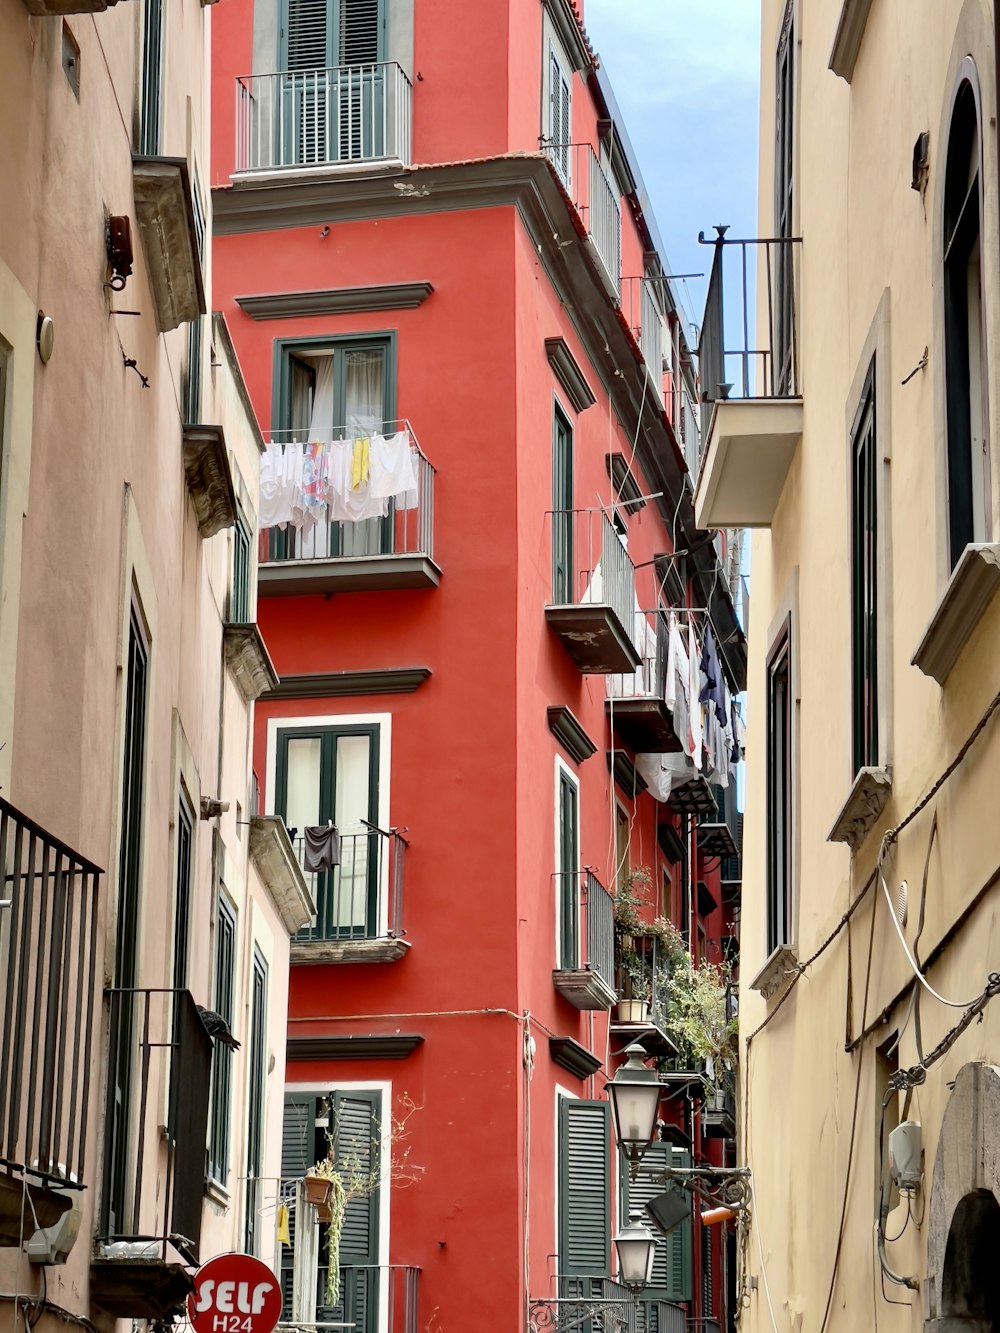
(701, 1019)
(318, 1183)
(646, 950)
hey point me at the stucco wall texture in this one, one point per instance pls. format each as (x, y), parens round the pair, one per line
(870, 256)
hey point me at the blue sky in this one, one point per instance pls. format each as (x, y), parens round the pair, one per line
(685, 73)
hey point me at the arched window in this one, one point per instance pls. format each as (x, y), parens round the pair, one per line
(965, 350)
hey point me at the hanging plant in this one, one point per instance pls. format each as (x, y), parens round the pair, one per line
(338, 1207)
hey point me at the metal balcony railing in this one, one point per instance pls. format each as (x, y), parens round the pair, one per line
(406, 530)
(363, 1289)
(362, 897)
(648, 979)
(583, 890)
(323, 117)
(590, 565)
(48, 976)
(594, 197)
(590, 1304)
(156, 1039)
(642, 308)
(648, 681)
(749, 370)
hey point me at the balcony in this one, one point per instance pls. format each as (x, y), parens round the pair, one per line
(592, 609)
(591, 985)
(359, 903)
(643, 973)
(595, 1303)
(642, 308)
(718, 1113)
(315, 119)
(591, 192)
(49, 963)
(165, 211)
(149, 1229)
(750, 437)
(392, 549)
(636, 704)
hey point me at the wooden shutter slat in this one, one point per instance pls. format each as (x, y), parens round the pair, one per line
(584, 1188)
(361, 24)
(307, 34)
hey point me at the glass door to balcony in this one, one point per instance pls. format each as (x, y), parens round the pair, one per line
(331, 106)
(337, 394)
(330, 775)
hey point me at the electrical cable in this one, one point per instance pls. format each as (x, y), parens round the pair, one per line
(915, 966)
(760, 1256)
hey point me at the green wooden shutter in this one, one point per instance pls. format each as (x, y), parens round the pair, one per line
(298, 1153)
(671, 1280)
(584, 1188)
(357, 1133)
(362, 32)
(307, 32)
(562, 507)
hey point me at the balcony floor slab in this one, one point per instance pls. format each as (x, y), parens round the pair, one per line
(751, 443)
(594, 637)
(378, 573)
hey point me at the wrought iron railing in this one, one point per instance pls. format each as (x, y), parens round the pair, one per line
(761, 365)
(597, 934)
(648, 681)
(361, 897)
(642, 305)
(590, 565)
(405, 528)
(595, 199)
(643, 973)
(589, 1304)
(48, 979)
(146, 1207)
(323, 117)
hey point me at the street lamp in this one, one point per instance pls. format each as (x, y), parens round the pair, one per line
(636, 1246)
(634, 1093)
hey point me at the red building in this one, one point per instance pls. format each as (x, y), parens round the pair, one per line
(447, 292)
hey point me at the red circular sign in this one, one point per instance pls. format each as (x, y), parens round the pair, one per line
(234, 1293)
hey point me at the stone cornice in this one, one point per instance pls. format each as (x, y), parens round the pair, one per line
(334, 684)
(566, 728)
(569, 374)
(354, 1046)
(574, 1057)
(274, 856)
(336, 300)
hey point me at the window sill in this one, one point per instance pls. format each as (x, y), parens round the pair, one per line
(974, 582)
(216, 1192)
(865, 802)
(385, 949)
(780, 967)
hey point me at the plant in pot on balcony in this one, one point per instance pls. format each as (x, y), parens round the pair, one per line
(701, 1019)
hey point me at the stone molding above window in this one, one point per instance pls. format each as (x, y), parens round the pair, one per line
(336, 300)
(847, 42)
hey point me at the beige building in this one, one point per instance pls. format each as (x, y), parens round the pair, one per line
(137, 880)
(857, 441)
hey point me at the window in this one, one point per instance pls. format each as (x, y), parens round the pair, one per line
(326, 391)
(622, 836)
(222, 1055)
(239, 592)
(562, 509)
(671, 1280)
(784, 159)
(568, 866)
(965, 344)
(864, 579)
(331, 774)
(334, 98)
(192, 377)
(182, 904)
(584, 1196)
(353, 1119)
(255, 1100)
(152, 78)
(779, 793)
(559, 130)
(120, 1059)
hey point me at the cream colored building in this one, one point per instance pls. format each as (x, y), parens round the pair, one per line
(138, 880)
(861, 450)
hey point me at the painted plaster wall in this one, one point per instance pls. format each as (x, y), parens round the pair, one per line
(865, 232)
(94, 504)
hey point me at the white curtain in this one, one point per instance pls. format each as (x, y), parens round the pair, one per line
(363, 392)
(321, 423)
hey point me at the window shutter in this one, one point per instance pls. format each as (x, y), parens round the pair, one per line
(671, 1280)
(584, 1188)
(298, 1153)
(362, 27)
(357, 1133)
(307, 28)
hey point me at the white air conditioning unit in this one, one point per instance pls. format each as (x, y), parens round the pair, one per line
(51, 1245)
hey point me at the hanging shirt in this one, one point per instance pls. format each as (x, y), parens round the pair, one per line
(713, 688)
(275, 510)
(696, 728)
(321, 848)
(393, 475)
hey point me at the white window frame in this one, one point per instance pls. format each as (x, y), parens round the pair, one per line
(384, 1087)
(563, 769)
(384, 723)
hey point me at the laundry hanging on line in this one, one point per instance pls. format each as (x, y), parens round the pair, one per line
(305, 482)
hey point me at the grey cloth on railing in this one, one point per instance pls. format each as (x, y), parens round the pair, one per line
(321, 848)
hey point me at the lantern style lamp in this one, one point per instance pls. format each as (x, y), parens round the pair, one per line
(636, 1246)
(634, 1093)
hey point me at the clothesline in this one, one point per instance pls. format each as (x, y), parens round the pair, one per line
(347, 479)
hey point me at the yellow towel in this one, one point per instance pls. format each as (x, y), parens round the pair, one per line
(359, 463)
(283, 1235)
